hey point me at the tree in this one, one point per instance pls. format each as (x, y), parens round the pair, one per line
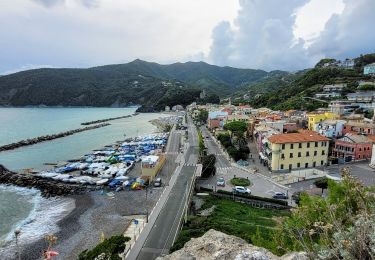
(238, 128)
(208, 163)
(322, 183)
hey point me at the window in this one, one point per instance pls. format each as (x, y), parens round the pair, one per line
(290, 167)
(322, 144)
(306, 165)
(323, 152)
(314, 164)
(282, 166)
(298, 165)
(359, 156)
(308, 145)
(291, 146)
(291, 155)
(282, 156)
(360, 149)
(321, 162)
(316, 144)
(307, 154)
(299, 154)
(315, 153)
(299, 145)
(283, 146)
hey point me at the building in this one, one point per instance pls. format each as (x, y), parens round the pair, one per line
(151, 166)
(238, 117)
(301, 150)
(353, 147)
(314, 118)
(347, 64)
(361, 96)
(369, 69)
(330, 128)
(216, 119)
(334, 87)
(359, 128)
(328, 95)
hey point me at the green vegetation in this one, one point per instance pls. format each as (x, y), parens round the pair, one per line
(340, 226)
(151, 85)
(208, 165)
(324, 61)
(322, 183)
(202, 116)
(235, 144)
(367, 87)
(256, 226)
(252, 197)
(111, 247)
(240, 182)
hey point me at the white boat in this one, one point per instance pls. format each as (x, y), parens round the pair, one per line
(102, 182)
(122, 178)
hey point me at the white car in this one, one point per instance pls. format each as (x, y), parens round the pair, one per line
(241, 189)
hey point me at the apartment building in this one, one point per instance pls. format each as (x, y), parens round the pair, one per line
(301, 150)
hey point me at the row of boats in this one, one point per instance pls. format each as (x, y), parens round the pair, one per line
(110, 164)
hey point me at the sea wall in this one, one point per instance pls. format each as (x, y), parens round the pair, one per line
(108, 119)
(44, 138)
(48, 187)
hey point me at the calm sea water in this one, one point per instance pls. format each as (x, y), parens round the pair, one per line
(25, 208)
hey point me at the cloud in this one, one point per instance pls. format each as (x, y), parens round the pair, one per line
(49, 3)
(262, 37)
(52, 3)
(349, 34)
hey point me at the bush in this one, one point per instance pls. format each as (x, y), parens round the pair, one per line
(240, 182)
(111, 247)
(252, 197)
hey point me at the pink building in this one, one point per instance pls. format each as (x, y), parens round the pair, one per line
(288, 127)
(357, 127)
(353, 147)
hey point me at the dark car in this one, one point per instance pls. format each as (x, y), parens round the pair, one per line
(280, 195)
(157, 182)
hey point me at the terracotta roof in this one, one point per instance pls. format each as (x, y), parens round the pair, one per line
(304, 136)
(371, 138)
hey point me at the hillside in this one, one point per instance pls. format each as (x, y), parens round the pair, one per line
(139, 82)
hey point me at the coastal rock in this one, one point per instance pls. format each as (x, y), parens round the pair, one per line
(48, 188)
(215, 245)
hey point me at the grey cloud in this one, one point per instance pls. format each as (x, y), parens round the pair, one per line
(52, 3)
(349, 34)
(49, 3)
(263, 37)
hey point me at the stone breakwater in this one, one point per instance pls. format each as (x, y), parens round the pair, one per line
(44, 138)
(107, 119)
(48, 188)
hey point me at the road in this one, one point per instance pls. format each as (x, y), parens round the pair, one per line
(261, 186)
(165, 229)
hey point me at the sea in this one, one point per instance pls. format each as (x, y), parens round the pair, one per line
(25, 209)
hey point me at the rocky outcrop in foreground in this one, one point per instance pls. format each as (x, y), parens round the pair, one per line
(48, 188)
(48, 137)
(215, 245)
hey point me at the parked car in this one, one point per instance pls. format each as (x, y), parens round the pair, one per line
(241, 189)
(280, 195)
(220, 182)
(157, 182)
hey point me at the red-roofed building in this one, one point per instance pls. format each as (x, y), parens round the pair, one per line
(353, 147)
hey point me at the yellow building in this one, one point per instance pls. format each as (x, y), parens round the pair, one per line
(315, 118)
(301, 150)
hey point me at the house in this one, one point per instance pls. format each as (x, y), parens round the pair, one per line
(327, 95)
(353, 147)
(300, 150)
(369, 69)
(314, 118)
(347, 64)
(216, 119)
(330, 128)
(359, 128)
(361, 96)
(238, 117)
(334, 87)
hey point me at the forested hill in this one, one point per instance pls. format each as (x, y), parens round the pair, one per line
(139, 82)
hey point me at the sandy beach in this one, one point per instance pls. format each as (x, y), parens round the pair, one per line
(94, 213)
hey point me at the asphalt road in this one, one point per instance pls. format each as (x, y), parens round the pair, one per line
(166, 226)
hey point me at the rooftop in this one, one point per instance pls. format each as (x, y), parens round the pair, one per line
(304, 136)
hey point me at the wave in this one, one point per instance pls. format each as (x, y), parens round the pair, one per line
(42, 219)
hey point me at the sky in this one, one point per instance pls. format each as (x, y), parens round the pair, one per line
(261, 34)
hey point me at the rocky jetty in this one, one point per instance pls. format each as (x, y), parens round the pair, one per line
(48, 137)
(48, 187)
(215, 245)
(108, 119)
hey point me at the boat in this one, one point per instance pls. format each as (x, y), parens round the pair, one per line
(102, 182)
